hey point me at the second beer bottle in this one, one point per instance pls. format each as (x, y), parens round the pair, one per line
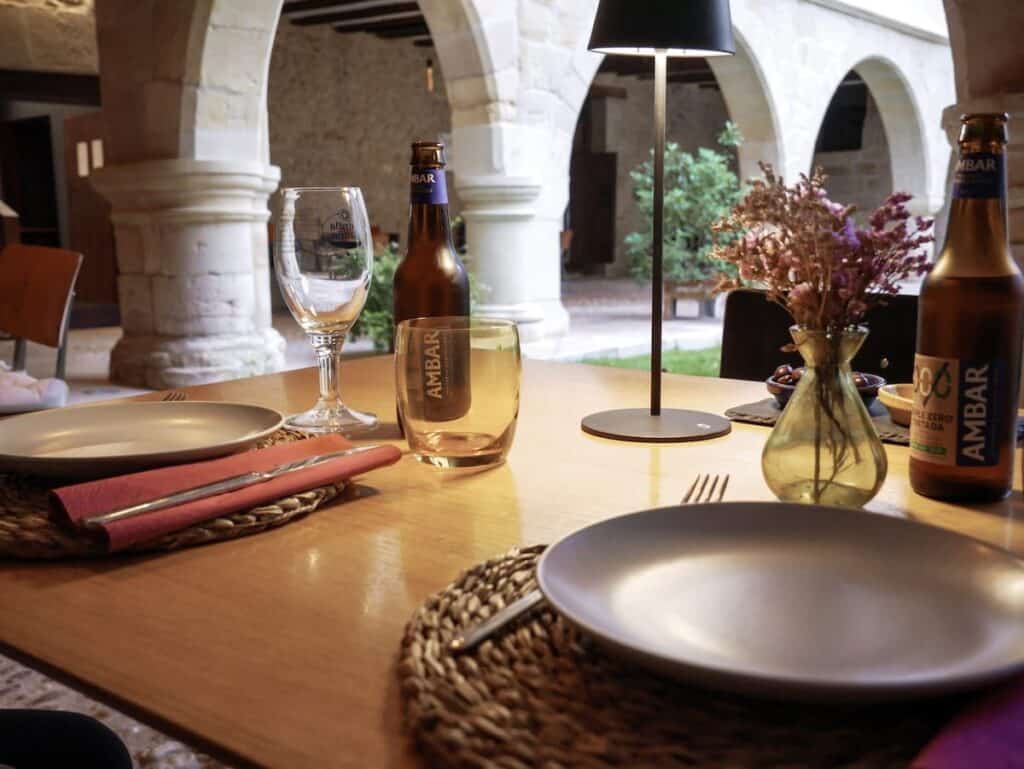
(431, 281)
(970, 322)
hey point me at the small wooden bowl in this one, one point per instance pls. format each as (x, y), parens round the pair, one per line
(899, 399)
(782, 392)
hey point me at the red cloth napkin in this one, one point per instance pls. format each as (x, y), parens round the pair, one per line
(987, 735)
(96, 497)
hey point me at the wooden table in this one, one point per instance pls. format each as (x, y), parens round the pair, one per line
(279, 649)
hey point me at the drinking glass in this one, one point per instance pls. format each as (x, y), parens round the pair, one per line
(324, 263)
(458, 388)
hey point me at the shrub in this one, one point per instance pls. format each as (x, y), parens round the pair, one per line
(377, 321)
(699, 190)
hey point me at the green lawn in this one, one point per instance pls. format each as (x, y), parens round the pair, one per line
(696, 362)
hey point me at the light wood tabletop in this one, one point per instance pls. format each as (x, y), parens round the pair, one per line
(279, 650)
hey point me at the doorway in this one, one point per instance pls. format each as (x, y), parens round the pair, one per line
(27, 182)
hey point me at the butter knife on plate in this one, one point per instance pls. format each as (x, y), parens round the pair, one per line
(233, 483)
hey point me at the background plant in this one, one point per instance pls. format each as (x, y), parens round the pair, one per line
(377, 320)
(700, 189)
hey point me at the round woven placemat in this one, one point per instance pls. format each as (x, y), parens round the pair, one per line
(29, 531)
(543, 695)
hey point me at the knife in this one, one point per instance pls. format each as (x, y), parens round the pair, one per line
(479, 633)
(219, 487)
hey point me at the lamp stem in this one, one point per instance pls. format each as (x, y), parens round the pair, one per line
(657, 278)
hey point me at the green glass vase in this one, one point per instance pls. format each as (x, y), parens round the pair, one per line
(824, 448)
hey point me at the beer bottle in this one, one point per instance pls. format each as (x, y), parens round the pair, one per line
(432, 282)
(969, 331)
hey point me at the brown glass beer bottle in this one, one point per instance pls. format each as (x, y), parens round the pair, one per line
(432, 282)
(969, 331)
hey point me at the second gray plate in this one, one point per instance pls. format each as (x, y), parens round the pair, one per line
(116, 438)
(794, 601)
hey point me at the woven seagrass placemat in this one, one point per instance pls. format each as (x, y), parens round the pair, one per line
(29, 531)
(767, 412)
(543, 695)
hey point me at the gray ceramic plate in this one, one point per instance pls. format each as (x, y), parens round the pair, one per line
(794, 601)
(102, 440)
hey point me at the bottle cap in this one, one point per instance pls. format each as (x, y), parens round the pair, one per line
(428, 154)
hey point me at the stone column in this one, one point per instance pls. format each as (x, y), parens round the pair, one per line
(512, 226)
(194, 269)
(515, 254)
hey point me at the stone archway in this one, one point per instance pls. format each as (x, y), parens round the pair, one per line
(904, 129)
(751, 107)
(477, 44)
(510, 120)
(186, 79)
(189, 174)
(893, 158)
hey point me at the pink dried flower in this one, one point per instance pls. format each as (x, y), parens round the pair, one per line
(810, 255)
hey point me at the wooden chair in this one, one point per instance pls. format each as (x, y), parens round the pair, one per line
(36, 290)
(10, 230)
(755, 329)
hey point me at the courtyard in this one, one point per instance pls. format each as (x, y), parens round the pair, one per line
(294, 599)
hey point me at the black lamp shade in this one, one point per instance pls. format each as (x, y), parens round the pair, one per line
(677, 27)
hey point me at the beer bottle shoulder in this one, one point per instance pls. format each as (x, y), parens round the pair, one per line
(964, 257)
(429, 262)
(431, 284)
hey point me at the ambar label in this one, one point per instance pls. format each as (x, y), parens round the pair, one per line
(956, 411)
(428, 185)
(434, 373)
(980, 175)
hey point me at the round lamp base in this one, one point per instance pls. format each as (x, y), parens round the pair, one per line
(671, 426)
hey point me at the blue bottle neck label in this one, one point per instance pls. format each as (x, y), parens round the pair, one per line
(427, 185)
(980, 175)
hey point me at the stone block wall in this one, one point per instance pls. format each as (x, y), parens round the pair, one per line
(344, 110)
(862, 177)
(48, 35)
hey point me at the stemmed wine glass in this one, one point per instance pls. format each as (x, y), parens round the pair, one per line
(324, 264)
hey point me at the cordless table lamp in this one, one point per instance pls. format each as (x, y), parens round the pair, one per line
(659, 28)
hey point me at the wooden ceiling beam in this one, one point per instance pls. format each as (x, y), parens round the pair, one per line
(387, 25)
(54, 87)
(416, 30)
(637, 65)
(375, 13)
(300, 6)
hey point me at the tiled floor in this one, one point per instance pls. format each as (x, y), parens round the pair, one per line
(21, 687)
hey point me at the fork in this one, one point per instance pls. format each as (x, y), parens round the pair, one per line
(698, 493)
(174, 396)
(700, 483)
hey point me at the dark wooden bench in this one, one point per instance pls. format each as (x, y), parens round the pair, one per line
(698, 292)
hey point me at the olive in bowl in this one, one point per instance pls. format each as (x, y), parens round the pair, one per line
(785, 378)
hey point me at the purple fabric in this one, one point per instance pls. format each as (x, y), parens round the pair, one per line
(989, 734)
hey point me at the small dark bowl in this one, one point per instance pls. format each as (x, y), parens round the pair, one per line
(782, 392)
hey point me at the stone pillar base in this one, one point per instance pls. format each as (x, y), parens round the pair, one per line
(535, 320)
(162, 363)
(194, 282)
(515, 253)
